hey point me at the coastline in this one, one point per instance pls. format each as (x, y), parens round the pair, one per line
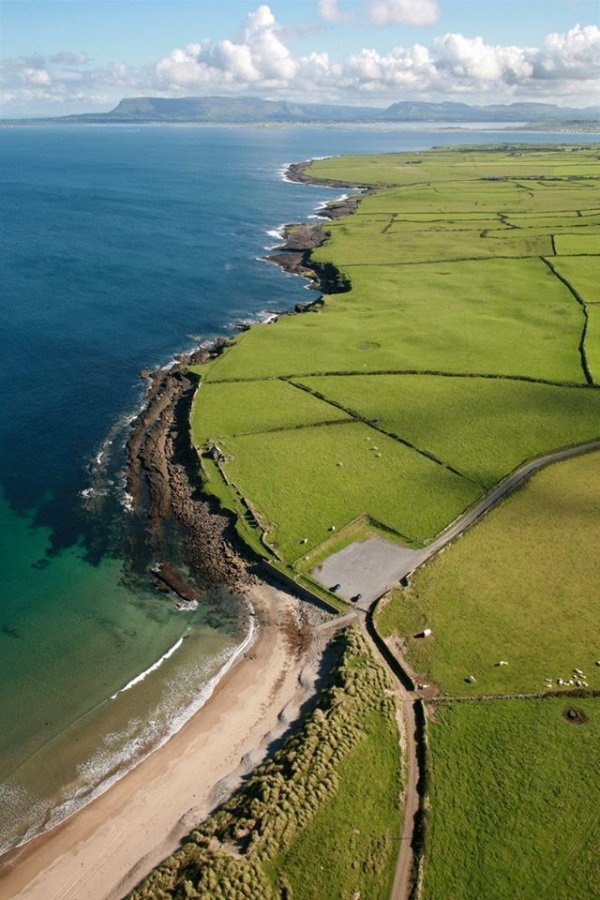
(106, 847)
(161, 487)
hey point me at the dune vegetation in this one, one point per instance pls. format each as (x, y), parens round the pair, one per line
(321, 818)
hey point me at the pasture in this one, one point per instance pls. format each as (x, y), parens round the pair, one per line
(514, 801)
(482, 427)
(479, 317)
(520, 586)
(447, 273)
(592, 341)
(311, 482)
(249, 407)
(582, 273)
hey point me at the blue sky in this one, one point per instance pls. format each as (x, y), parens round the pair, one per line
(76, 55)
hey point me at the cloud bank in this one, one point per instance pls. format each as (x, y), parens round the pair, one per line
(259, 61)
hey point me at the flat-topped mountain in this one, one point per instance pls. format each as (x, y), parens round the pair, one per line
(247, 110)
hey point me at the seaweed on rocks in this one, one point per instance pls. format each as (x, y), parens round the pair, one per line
(163, 480)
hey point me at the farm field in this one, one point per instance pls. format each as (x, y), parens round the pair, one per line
(521, 586)
(515, 801)
(573, 244)
(592, 341)
(339, 462)
(453, 270)
(249, 407)
(483, 427)
(467, 163)
(583, 274)
(327, 802)
(489, 317)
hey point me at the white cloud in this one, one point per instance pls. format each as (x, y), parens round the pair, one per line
(403, 69)
(575, 54)
(455, 64)
(68, 58)
(330, 10)
(469, 61)
(259, 56)
(403, 12)
(258, 60)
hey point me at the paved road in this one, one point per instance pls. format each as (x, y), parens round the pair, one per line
(407, 697)
(413, 559)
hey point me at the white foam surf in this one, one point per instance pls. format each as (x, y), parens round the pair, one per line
(143, 675)
(122, 751)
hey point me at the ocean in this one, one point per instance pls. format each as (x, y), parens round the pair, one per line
(121, 246)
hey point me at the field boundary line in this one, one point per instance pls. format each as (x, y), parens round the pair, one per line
(582, 693)
(582, 303)
(395, 437)
(437, 373)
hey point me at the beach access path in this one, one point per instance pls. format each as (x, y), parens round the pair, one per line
(102, 851)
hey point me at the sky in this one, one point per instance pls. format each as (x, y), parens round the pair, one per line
(85, 55)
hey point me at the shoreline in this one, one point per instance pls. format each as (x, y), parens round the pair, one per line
(160, 483)
(106, 847)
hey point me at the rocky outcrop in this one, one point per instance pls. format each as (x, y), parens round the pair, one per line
(164, 483)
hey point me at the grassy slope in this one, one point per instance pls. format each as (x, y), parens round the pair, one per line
(488, 315)
(482, 427)
(592, 341)
(252, 407)
(277, 829)
(567, 244)
(582, 273)
(478, 317)
(270, 468)
(520, 586)
(515, 804)
(351, 843)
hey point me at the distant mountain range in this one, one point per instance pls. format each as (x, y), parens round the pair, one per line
(252, 110)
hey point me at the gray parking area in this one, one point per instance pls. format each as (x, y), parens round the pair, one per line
(368, 568)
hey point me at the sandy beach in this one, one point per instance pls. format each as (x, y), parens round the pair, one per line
(107, 847)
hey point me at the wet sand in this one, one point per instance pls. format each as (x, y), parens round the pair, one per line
(107, 847)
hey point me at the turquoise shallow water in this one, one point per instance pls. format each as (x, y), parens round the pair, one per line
(120, 247)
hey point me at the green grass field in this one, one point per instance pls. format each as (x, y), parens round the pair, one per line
(583, 274)
(451, 165)
(520, 586)
(592, 341)
(515, 802)
(271, 468)
(321, 817)
(482, 427)
(367, 243)
(567, 244)
(487, 304)
(485, 317)
(245, 408)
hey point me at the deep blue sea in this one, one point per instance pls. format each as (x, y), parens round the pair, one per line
(121, 246)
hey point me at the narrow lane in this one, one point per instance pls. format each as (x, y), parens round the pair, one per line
(406, 693)
(417, 558)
